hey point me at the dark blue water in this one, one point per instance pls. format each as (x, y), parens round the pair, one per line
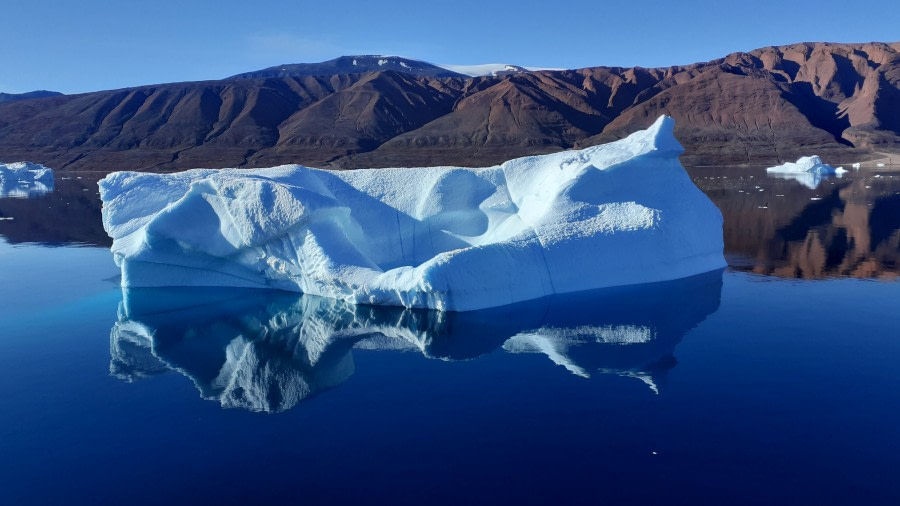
(726, 388)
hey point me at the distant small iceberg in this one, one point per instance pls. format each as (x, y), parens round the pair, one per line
(25, 179)
(26, 171)
(809, 171)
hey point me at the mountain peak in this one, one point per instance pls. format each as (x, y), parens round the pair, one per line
(13, 97)
(353, 64)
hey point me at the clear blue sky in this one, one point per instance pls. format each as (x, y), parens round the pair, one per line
(86, 45)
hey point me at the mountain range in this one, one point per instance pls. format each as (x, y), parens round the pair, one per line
(774, 104)
(13, 97)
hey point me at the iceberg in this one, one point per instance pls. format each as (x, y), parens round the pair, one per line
(26, 171)
(809, 171)
(25, 179)
(805, 165)
(267, 351)
(446, 238)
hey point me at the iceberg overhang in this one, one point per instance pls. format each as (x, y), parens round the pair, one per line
(444, 238)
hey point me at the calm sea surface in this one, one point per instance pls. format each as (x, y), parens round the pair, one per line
(775, 381)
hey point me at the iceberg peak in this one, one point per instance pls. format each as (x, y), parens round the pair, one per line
(662, 135)
(445, 238)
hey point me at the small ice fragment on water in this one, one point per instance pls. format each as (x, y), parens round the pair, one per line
(815, 198)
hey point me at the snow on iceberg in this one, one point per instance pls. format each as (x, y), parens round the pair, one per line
(441, 237)
(25, 179)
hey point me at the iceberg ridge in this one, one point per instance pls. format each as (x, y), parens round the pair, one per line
(444, 238)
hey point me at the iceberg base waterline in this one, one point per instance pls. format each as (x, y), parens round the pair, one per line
(440, 237)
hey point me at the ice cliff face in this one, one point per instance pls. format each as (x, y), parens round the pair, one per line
(443, 238)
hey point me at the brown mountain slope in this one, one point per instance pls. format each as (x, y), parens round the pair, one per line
(781, 101)
(769, 105)
(378, 107)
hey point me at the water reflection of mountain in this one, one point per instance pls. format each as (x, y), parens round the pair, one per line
(267, 351)
(846, 227)
(70, 214)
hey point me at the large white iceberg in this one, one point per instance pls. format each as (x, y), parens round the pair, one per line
(442, 237)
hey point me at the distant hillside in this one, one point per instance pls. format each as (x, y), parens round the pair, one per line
(360, 64)
(12, 97)
(841, 101)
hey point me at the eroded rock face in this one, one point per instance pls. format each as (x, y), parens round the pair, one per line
(443, 238)
(778, 100)
(766, 106)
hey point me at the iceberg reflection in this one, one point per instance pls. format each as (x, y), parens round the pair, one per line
(267, 351)
(19, 189)
(811, 180)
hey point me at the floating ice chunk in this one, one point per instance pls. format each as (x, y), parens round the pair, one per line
(441, 237)
(809, 171)
(26, 171)
(857, 165)
(25, 179)
(806, 164)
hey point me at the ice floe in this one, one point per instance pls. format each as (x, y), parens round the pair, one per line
(25, 179)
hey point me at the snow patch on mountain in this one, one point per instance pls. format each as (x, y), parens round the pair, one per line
(492, 69)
